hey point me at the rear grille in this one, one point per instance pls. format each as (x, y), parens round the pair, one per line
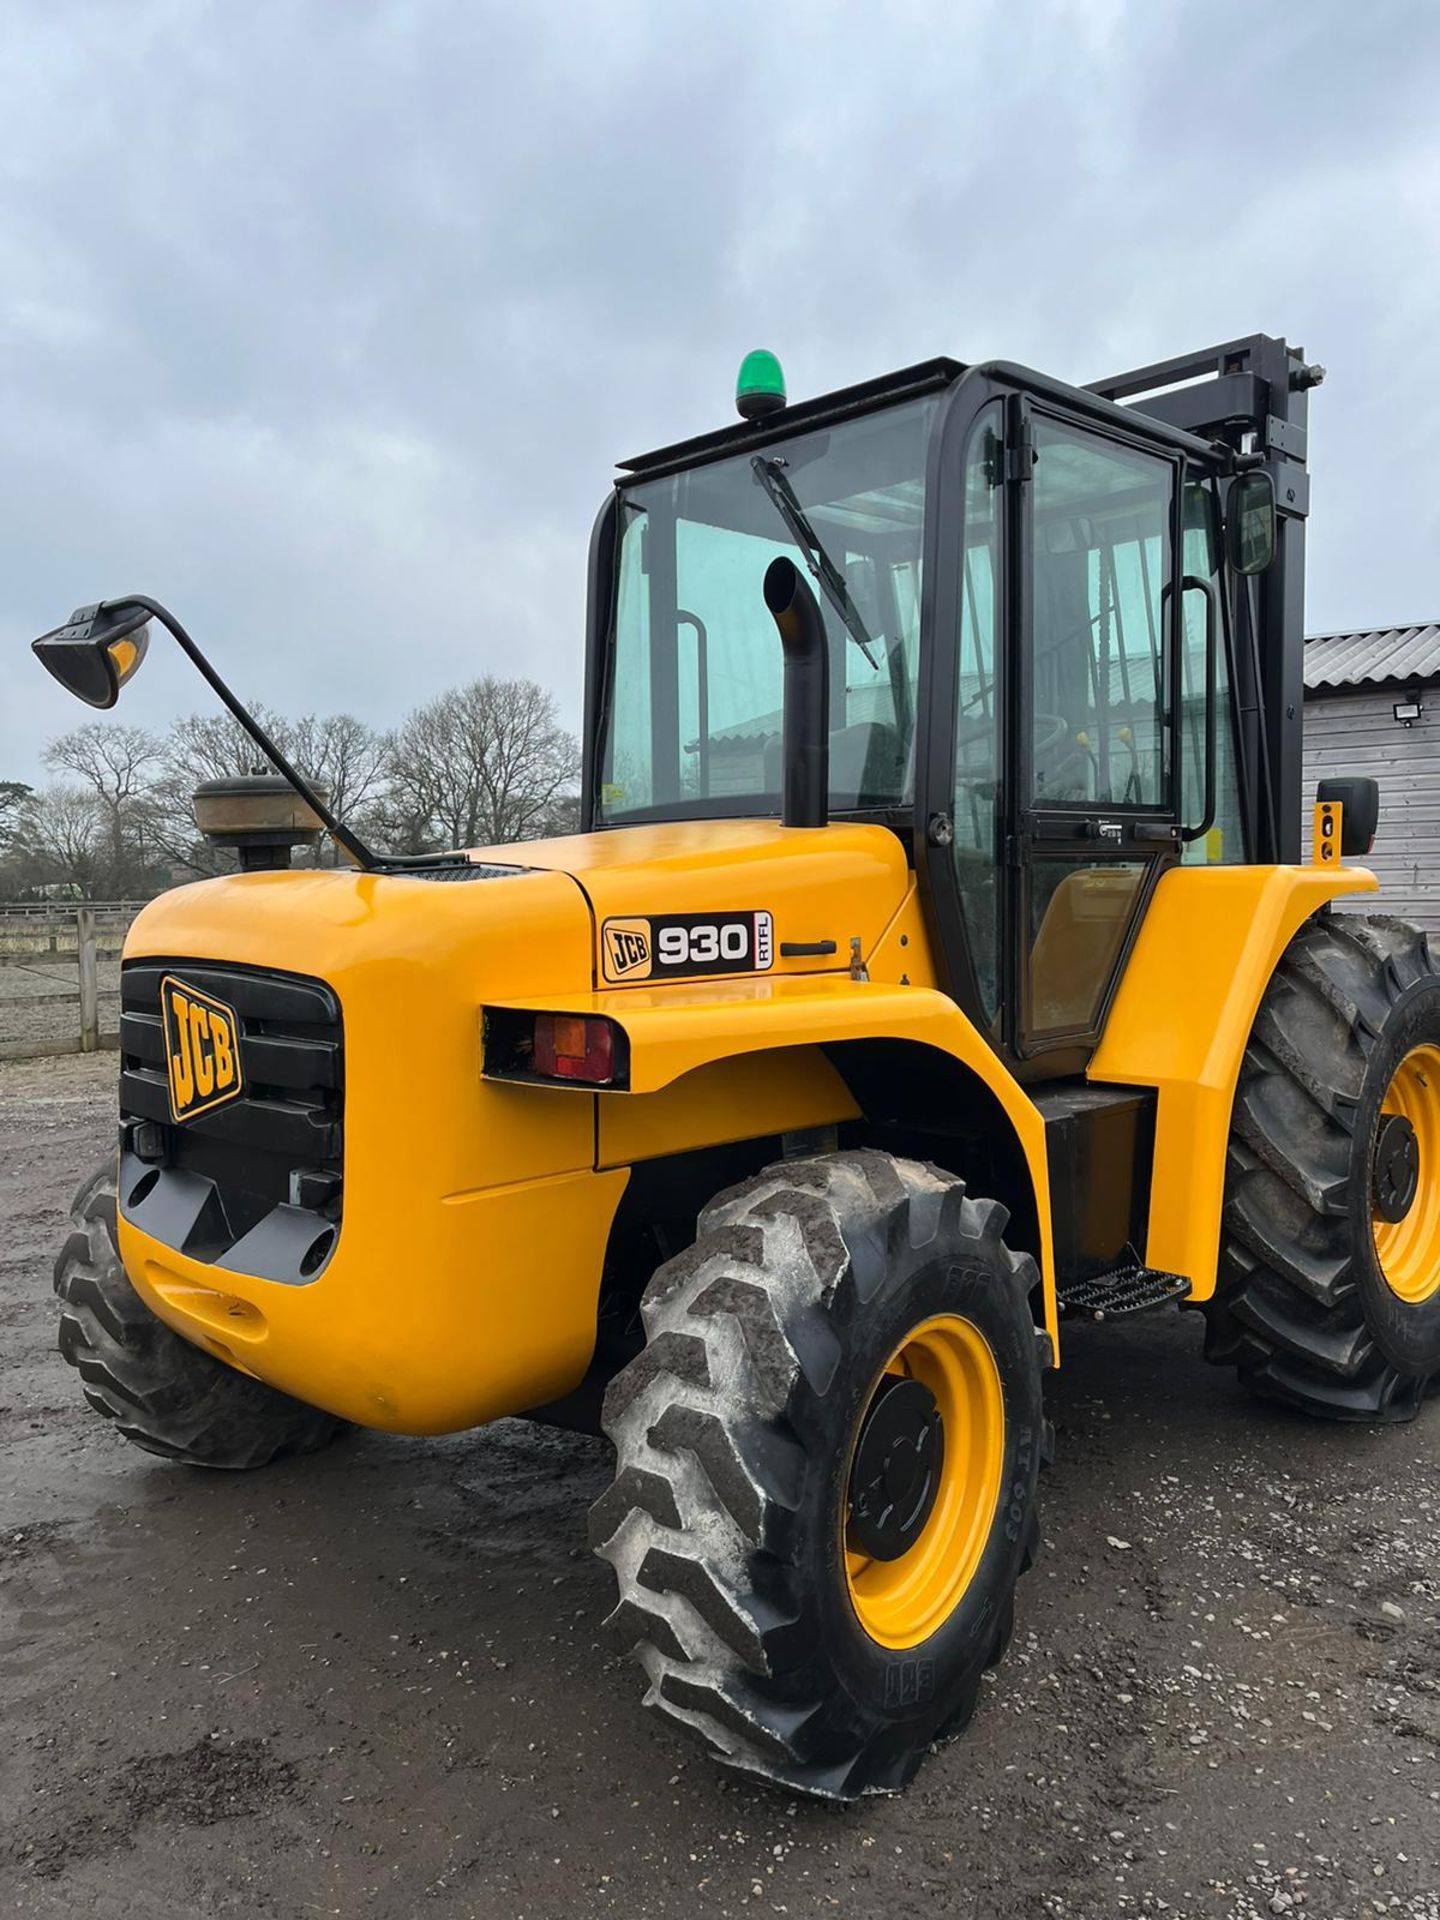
(254, 1184)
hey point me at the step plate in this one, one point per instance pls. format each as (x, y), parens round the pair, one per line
(1127, 1290)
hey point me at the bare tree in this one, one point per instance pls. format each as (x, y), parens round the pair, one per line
(61, 837)
(13, 796)
(487, 764)
(350, 760)
(337, 751)
(484, 765)
(117, 764)
(213, 746)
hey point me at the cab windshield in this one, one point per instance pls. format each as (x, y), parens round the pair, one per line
(693, 719)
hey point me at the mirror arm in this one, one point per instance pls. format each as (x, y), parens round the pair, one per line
(343, 835)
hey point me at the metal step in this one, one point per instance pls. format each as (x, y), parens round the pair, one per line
(1126, 1290)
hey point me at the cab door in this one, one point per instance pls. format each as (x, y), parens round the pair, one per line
(1076, 732)
(1093, 799)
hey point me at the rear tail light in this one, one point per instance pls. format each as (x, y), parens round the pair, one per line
(565, 1049)
(572, 1046)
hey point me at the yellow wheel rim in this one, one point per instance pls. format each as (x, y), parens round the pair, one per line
(901, 1602)
(1409, 1249)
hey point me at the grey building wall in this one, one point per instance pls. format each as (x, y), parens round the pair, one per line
(1358, 733)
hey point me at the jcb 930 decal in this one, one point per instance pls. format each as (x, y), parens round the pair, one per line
(655, 947)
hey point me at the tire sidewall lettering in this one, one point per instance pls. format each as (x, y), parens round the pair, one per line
(1017, 1509)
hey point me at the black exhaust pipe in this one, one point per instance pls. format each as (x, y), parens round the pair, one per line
(806, 725)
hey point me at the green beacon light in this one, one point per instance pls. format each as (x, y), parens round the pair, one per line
(760, 389)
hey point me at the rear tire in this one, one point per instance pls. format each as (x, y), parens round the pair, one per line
(1304, 1309)
(731, 1519)
(163, 1394)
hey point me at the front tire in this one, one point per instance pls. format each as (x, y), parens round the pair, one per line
(814, 1586)
(1323, 1302)
(163, 1394)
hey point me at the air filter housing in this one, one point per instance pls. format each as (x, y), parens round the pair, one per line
(259, 816)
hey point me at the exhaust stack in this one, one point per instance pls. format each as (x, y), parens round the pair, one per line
(806, 723)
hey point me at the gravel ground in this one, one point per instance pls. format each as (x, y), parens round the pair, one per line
(373, 1682)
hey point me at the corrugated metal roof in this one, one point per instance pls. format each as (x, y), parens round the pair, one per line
(1369, 658)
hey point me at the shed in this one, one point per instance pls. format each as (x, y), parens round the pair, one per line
(1372, 705)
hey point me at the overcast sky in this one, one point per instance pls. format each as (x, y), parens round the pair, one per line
(325, 323)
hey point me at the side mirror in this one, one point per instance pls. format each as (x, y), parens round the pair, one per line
(1250, 522)
(100, 647)
(97, 651)
(1359, 796)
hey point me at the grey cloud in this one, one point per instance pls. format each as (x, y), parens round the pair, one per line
(326, 322)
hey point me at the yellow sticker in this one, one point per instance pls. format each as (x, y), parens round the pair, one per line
(202, 1049)
(627, 950)
(1326, 849)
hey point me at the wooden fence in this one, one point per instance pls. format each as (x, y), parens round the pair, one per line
(55, 955)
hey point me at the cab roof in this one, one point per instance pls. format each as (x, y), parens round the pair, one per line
(843, 404)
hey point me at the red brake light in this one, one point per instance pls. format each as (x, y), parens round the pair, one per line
(572, 1046)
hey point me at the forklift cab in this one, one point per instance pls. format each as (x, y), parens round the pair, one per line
(1045, 674)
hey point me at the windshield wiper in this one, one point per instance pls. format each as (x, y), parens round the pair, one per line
(832, 582)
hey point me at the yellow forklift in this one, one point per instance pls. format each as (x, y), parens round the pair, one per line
(937, 961)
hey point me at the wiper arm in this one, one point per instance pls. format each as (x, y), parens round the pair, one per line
(832, 582)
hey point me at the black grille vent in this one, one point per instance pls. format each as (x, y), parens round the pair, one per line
(254, 1184)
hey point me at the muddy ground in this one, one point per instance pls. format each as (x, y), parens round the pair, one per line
(373, 1682)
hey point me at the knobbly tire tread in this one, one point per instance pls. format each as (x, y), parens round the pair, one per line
(163, 1394)
(1300, 1309)
(724, 1428)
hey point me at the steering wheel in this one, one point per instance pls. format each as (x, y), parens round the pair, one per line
(1052, 732)
(1056, 731)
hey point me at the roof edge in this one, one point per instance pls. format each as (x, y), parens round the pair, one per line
(1389, 626)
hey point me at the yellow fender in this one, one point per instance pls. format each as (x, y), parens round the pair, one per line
(1210, 942)
(675, 1029)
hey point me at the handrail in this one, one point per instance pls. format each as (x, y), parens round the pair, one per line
(1193, 583)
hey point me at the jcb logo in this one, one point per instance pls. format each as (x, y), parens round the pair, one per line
(202, 1056)
(627, 949)
(909, 1683)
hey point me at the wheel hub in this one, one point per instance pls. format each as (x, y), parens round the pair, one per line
(896, 1475)
(1395, 1178)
